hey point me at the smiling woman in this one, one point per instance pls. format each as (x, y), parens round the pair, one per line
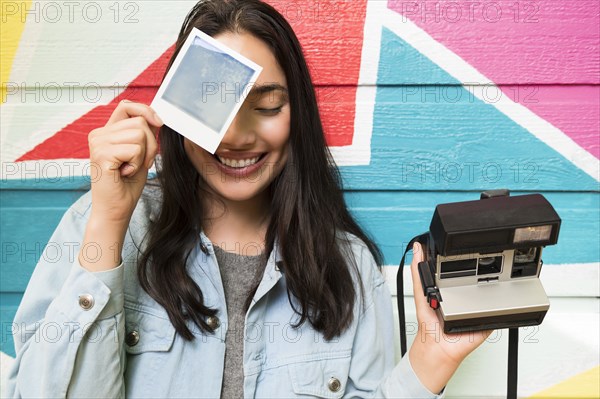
(255, 148)
(180, 306)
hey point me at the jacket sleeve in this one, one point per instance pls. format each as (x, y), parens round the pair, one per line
(69, 328)
(373, 372)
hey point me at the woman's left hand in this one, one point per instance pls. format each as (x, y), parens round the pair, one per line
(435, 356)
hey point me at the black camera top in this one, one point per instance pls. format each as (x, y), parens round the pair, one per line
(494, 224)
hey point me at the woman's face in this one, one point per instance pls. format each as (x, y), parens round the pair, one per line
(254, 148)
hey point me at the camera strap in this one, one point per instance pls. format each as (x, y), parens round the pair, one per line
(513, 333)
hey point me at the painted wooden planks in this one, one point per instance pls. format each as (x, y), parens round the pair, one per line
(392, 218)
(431, 137)
(545, 42)
(495, 37)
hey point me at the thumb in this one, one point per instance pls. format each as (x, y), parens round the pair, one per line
(423, 308)
(414, 269)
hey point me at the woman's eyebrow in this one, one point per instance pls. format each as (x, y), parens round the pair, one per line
(259, 90)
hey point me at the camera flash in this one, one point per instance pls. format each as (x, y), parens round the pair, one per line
(532, 233)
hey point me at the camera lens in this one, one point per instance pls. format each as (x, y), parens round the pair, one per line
(486, 261)
(489, 265)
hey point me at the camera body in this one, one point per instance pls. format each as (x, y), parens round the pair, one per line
(483, 261)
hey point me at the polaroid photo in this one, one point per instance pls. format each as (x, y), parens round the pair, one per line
(204, 90)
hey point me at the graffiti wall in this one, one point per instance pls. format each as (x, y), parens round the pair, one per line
(423, 102)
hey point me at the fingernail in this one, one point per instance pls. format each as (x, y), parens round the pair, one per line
(150, 163)
(157, 119)
(128, 168)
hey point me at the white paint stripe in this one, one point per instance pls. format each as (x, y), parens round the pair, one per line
(101, 68)
(359, 153)
(468, 75)
(23, 59)
(560, 280)
(46, 170)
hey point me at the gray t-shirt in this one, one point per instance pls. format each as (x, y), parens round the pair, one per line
(240, 274)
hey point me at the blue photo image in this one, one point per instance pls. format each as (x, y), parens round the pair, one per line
(208, 84)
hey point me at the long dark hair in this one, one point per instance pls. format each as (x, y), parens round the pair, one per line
(308, 217)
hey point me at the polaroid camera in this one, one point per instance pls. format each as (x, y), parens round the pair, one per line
(483, 261)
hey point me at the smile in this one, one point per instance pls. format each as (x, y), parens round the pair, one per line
(238, 163)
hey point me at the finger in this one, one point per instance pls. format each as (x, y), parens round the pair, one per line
(417, 258)
(135, 130)
(127, 109)
(141, 132)
(151, 148)
(127, 158)
(134, 122)
(134, 135)
(423, 308)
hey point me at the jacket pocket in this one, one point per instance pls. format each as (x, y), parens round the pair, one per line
(146, 332)
(322, 378)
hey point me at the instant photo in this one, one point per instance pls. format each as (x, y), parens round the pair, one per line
(204, 89)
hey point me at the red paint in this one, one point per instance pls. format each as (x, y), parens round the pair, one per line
(331, 33)
(71, 141)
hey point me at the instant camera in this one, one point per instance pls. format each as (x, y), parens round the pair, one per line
(483, 260)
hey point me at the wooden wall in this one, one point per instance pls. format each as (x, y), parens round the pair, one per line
(424, 102)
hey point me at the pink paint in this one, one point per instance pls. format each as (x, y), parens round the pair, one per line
(552, 47)
(575, 110)
(511, 41)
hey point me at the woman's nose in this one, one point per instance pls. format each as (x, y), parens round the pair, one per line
(240, 134)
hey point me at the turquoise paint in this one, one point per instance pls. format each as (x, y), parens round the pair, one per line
(28, 219)
(394, 218)
(444, 138)
(401, 64)
(8, 307)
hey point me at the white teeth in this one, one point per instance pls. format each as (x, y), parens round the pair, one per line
(238, 163)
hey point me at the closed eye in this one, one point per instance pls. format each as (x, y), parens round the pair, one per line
(269, 111)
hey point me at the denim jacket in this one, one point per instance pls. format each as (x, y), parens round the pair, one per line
(100, 335)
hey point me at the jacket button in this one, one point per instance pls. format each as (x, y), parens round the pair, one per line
(132, 338)
(334, 384)
(86, 301)
(213, 322)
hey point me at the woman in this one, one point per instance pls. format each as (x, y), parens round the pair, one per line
(241, 274)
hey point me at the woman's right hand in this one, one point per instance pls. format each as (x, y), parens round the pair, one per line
(120, 155)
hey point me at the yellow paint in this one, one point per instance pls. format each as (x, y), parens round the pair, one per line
(584, 385)
(12, 22)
